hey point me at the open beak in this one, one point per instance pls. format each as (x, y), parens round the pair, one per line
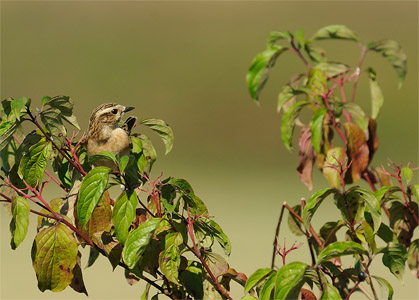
(128, 108)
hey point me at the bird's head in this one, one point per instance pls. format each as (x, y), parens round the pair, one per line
(108, 114)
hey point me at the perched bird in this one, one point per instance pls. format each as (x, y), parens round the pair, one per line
(106, 134)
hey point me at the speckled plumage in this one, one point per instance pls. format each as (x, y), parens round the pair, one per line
(105, 133)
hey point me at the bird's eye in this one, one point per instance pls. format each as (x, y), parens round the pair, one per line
(114, 111)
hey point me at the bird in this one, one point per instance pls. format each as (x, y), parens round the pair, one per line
(106, 134)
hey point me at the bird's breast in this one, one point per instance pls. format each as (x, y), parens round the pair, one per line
(118, 142)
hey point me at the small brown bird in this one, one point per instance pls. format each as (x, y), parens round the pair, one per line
(106, 134)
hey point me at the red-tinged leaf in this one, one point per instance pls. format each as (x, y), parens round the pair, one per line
(383, 176)
(100, 220)
(402, 222)
(307, 295)
(373, 141)
(232, 274)
(217, 264)
(77, 283)
(307, 157)
(54, 255)
(111, 247)
(334, 158)
(131, 277)
(358, 152)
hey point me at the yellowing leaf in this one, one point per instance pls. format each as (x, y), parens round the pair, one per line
(54, 255)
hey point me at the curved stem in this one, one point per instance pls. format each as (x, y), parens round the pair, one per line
(361, 60)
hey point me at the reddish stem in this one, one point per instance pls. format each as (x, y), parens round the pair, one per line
(332, 117)
(313, 233)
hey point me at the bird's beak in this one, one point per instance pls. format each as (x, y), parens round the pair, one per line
(128, 108)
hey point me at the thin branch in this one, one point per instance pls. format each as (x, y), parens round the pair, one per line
(358, 71)
(313, 233)
(276, 236)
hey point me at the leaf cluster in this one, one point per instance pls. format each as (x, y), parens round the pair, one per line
(157, 230)
(320, 89)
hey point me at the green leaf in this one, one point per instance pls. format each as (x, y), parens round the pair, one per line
(275, 36)
(18, 107)
(372, 203)
(123, 163)
(91, 190)
(369, 235)
(257, 277)
(52, 120)
(317, 82)
(149, 154)
(289, 280)
(332, 69)
(407, 174)
(415, 190)
(328, 231)
(162, 129)
(330, 293)
(339, 249)
(386, 234)
(413, 256)
(268, 286)
(288, 122)
(288, 93)
(313, 204)
(196, 205)
(93, 256)
(103, 155)
(383, 194)
(249, 298)
(293, 223)
(123, 214)
(377, 98)
(192, 279)
(299, 36)
(316, 128)
(221, 237)
(357, 114)
(316, 54)
(259, 70)
(394, 259)
(335, 32)
(169, 259)
(7, 129)
(386, 288)
(54, 255)
(137, 241)
(331, 166)
(33, 164)
(144, 296)
(20, 221)
(392, 51)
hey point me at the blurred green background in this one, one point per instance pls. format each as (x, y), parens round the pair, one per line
(186, 62)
